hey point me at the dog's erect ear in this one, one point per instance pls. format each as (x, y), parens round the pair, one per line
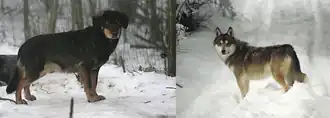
(124, 20)
(218, 31)
(230, 31)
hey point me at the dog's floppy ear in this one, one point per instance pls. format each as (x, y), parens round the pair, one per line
(218, 31)
(124, 20)
(230, 31)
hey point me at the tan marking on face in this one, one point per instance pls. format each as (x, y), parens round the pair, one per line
(226, 41)
(107, 33)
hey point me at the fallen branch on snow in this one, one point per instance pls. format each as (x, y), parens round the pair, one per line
(71, 108)
(7, 99)
(179, 85)
(170, 87)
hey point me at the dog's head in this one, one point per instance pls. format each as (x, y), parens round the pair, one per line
(111, 22)
(224, 43)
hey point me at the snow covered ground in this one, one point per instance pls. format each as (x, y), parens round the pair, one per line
(127, 96)
(209, 87)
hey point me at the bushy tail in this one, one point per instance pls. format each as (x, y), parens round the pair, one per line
(295, 65)
(305, 78)
(13, 83)
(295, 61)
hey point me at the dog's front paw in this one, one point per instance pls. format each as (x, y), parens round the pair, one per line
(96, 98)
(21, 102)
(31, 98)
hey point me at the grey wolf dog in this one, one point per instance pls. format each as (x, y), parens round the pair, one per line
(82, 51)
(255, 63)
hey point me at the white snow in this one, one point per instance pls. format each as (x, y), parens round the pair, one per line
(209, 87)
(128, 95)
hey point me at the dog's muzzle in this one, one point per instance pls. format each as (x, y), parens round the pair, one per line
(112, 35)
(224, 52)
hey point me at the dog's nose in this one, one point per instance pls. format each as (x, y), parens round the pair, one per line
(223, 51)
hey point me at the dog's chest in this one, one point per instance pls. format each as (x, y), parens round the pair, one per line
(102, 51)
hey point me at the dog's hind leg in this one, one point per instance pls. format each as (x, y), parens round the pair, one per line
(21, 84)
(279, 77)
(280, 70)
(27, 93)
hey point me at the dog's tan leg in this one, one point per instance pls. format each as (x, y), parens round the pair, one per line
(278, 76)
(28, 94)
(94, 77)
(91, 97)
(242, 81)
(243, 85)
(21, 84)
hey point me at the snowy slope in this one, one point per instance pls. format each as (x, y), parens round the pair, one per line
(127, 96)
(210, 89)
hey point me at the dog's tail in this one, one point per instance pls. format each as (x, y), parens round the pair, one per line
(295, 64)
(13, 83)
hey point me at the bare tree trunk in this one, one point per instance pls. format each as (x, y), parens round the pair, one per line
(154, 22)
(77, 15)
(27, 32)
(110, 3)
(80, 17)
(73, 15)
(171, 38)
(122, 63)
(115, 59)
(92, 7)
(47, 4)
(53, 17)
(2, 6)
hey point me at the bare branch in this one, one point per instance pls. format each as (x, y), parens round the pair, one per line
(7, 99)
(137, 46)
(71, 108)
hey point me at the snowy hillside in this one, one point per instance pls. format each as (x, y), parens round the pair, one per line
(127, 96)
(210, 89)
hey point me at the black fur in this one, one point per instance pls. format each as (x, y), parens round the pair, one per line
(7, 65)
(293, 55)
(85, 48)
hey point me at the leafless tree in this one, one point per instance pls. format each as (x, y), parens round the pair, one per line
(2, 5)
(92, 7)
(53, 17)
(71, 108)
(27, 32)
(171, 38)
(77, 14)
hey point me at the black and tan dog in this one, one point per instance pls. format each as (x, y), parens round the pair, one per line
(7, 66)
(83, 51)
